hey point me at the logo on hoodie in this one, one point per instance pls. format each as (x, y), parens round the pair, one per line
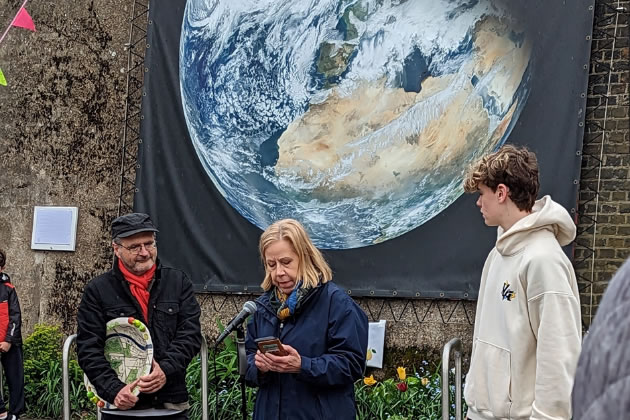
(506, 293)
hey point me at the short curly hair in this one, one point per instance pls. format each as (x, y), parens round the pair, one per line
(515, 167)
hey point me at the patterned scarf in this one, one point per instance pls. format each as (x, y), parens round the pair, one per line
(288, 305)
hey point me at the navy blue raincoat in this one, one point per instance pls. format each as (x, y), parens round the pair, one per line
(330, 333)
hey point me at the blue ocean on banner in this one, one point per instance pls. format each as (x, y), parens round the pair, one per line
(358, 118)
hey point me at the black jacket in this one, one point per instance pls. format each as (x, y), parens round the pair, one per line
(173, 324)
(10, 314)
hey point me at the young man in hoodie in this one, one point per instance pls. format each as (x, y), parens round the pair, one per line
(11, 345)
(527, 327)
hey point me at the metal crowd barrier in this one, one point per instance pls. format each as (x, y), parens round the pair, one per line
(66, 378)
(454, 345)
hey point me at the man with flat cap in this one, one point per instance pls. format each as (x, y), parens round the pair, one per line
(162, 298)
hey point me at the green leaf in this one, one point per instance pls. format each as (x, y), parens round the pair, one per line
(228, 342)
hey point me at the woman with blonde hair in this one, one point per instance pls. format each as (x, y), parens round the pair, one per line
(322, 330)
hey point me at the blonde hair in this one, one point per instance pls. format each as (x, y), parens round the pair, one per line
(312, 267)
(512, 166)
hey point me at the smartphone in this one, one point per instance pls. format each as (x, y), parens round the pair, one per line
(271, 345)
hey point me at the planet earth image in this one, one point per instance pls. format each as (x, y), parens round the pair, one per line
(357, 118)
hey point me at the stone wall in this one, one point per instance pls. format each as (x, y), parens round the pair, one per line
(60, 136)
(60, 144)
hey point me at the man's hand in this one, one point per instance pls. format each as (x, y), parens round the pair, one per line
(291, 363)
(5, 347)
(125, 399)
(153, 381)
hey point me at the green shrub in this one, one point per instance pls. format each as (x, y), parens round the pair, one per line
(42, 352)
(417, 396)
(43, 344)
(222, 377)
(43, 388)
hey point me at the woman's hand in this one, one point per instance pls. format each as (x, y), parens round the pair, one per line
(291, 363)
(262, 362)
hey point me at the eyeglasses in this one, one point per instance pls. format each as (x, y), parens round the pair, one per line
(135, 249)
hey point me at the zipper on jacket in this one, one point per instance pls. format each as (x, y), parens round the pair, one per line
(280, 387)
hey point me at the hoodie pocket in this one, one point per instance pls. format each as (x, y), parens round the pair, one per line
(489, 380)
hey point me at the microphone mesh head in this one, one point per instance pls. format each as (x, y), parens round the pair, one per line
(250, 307)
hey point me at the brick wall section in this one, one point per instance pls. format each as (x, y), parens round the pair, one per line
(603, 241)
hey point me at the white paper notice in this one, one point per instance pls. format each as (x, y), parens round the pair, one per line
(54, 228)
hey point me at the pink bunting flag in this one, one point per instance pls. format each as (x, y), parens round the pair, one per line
(23, 20)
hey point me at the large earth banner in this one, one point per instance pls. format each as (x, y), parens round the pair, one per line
(359, 118)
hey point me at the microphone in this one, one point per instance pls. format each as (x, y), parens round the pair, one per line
(248, 308)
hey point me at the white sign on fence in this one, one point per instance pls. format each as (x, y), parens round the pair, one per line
(376, 344)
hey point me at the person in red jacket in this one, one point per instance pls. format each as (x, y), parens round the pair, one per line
(11, 345)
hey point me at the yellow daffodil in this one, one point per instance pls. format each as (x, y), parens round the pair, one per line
(369, 381)
(402, 375)
(424, 381)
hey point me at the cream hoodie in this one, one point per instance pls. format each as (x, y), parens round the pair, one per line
(527, 335)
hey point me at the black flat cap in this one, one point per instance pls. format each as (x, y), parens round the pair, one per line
(130, 224)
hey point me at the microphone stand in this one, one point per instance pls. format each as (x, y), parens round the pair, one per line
(242, 367)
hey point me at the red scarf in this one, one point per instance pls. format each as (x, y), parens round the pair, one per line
(139, 286)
